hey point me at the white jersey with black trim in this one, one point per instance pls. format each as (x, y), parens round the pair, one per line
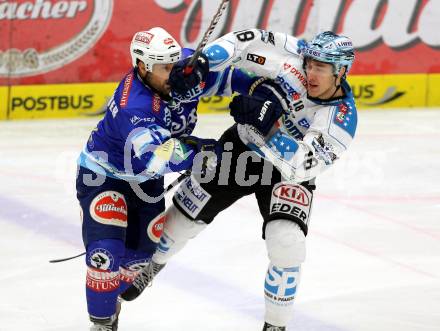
(312, 133)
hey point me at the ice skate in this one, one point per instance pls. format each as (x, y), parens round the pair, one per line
(270, 327)
(107, 324)
(142, 280)
(104, 324)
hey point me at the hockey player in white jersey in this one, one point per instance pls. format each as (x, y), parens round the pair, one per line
(301, 121)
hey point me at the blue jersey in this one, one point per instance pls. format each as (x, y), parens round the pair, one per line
(137, 139)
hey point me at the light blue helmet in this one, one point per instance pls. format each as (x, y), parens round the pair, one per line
(331, 48)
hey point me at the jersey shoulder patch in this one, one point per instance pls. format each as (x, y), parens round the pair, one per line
(345, 116)
(216, 54)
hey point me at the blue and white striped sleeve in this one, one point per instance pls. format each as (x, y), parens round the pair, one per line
(155, 153)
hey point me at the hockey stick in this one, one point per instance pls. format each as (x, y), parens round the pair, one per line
(166, 190)
(189, 68)
(177, 181)
(67, 258)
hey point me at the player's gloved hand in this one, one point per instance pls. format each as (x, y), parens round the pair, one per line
(181, 81)
(204, 161)
(261, 109)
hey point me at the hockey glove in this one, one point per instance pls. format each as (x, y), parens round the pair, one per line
(262, 109)
(182, 82)
(210, 153)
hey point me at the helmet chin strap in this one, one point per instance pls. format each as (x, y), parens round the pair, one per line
(337, 87)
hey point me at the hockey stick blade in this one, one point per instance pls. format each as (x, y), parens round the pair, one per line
(67, 258)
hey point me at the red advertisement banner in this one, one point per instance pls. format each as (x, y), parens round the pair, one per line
(72, 41)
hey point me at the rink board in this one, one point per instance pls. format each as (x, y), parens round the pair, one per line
(59, 101)
(390, 91)
(3, 102)
(434, 90)
(90, 99)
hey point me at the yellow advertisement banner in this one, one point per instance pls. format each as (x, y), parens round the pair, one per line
(59, 101)
(89, 99)
(370, 91)
(3, 102)
(389, 91)
(434, 90)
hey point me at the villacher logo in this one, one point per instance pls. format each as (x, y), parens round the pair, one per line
(36, 54)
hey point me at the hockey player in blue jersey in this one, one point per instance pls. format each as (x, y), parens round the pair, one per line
(144, 134)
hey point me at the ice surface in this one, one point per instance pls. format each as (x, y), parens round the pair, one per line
(373, 259)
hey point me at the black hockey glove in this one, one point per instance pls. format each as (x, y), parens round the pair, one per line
(261, 109)
(204, 161)
(181, 81)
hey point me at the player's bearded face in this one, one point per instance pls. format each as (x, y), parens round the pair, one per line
(158, 78)
(321, 82)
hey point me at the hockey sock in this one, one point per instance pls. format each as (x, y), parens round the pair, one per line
(279, 292)
(102, 286)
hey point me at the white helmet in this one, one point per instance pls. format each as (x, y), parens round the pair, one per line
(154, 46)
